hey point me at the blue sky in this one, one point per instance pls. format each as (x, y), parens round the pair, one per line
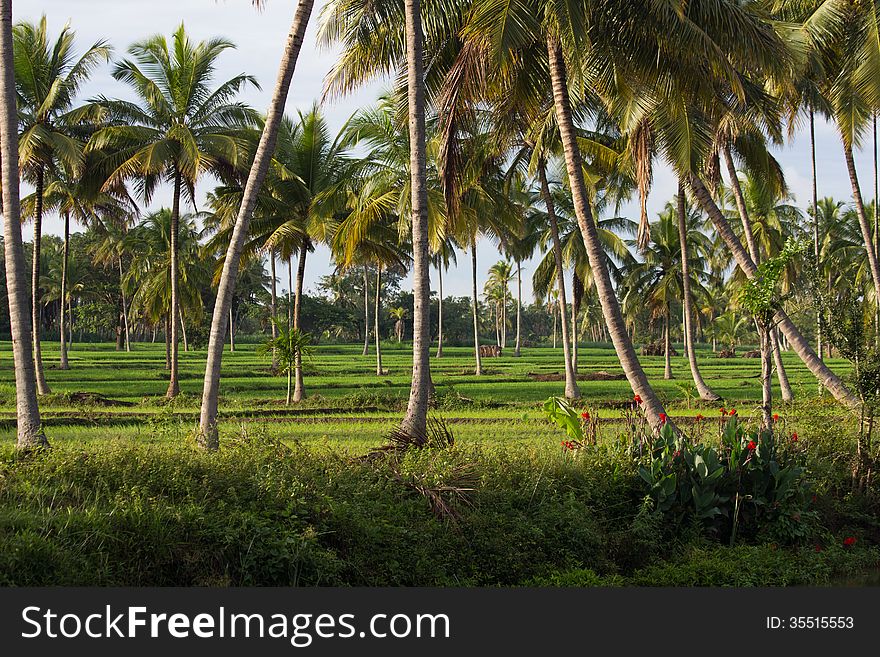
(259, 37)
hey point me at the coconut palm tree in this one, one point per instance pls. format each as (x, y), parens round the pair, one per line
(179, 129)
(29, 429)
(148, 280)
(687, 233)
(48, 78)
(398, 313)
(500, 278)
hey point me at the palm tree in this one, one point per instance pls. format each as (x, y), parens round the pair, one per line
(48, 78)
(208, 436)
(687, 233)
(29, 430)
(148, 280)
(398, 313)
(180, 130)
(500, 277)
(312, 169)
(287, 348)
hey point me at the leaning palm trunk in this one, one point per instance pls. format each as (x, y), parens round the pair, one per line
(439, 312)
(65, 255)
(378, 338)
(415, 421)
(366, 311)
(703, 388)
(173, 383)
(863, 219)
(571, 387)
(815, 223)
(803, 349)
(231, 330)
(784, 385)
(651, 404)
(299, 390)
(208, 421)
(475, 308)
(28, 427)
(42, 386)
(516, 349)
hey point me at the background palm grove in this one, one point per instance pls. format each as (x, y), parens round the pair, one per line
(704, 378)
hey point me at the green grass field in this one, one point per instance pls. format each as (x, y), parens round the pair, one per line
(124, 498)
(348, 403)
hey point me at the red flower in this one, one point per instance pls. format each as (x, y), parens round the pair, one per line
(818, 548)
(637, 399)
(699, 417)
(849, 541)
(676, 454)
(663, 418)
(585, 416)
(722, 410)
(752, 444)
(794, 437)
(732, 412)
(776, 417)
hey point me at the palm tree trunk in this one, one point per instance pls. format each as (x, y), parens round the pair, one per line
(265, 150)
(516, 349)
(183, 330)
(439, 353)
(376, 334)
(706, 393)
(876, 228)
(173, 383)
(231, 330)
(766, 378)
(497, 326)
(29, 432)
(784, 385)
(366, 311)
(803, 349)
(577, 293)
(475, 308)
(667, 359)
(572, 391)
(299, 390)
(290, 293)
(42, 386)
(124, 308)
(167, 343)
(415, 421)
(815, 224)
(755, 254)
(863, 218)
(289, 378)
(555, 322)
(629, 361)
(65, 255)
(273, 307)
(736, 188)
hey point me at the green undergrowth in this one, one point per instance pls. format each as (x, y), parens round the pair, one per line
(266, 512)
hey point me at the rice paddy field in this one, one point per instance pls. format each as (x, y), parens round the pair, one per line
(110, 395)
